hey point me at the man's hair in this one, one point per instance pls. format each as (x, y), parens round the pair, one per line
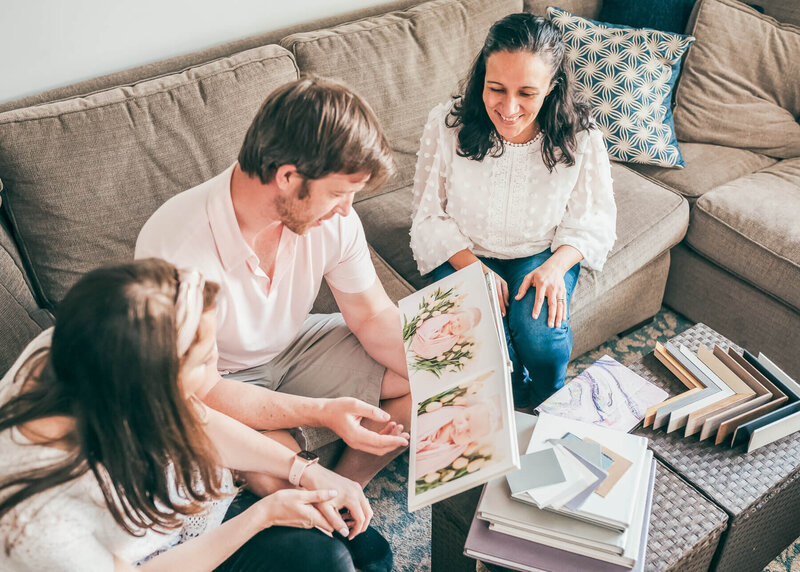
(319, 126)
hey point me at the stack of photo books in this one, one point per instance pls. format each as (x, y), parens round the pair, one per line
(581, 500)
(736, 398)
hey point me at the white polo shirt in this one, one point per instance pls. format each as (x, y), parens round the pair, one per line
(256, 318)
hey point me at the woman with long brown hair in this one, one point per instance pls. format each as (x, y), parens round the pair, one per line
(514, 174)
(108, 459)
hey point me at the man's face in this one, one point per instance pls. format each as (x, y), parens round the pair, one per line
(321, 199)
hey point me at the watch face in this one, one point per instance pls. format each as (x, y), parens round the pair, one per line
(307, 455)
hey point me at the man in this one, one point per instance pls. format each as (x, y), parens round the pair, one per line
(268, 229)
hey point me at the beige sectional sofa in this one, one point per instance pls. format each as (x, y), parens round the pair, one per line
(84, 166)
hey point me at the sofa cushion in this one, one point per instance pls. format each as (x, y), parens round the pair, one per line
(582, 8)
(707, 167)
(403, 63)
(664, 15)
(781, 10)
(739, 86)
(750, 227)
(650, 220)
(627, 75)
(83, 175)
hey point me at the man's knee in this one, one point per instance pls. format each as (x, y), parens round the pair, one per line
(394, 385)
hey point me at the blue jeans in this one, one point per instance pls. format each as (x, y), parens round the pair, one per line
(538, 352)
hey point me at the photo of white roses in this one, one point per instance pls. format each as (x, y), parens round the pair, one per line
(462, 433)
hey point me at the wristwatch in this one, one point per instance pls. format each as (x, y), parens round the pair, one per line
(299, 464)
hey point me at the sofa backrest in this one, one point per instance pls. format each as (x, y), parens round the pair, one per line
(403, 63)
(81, 176)
(582, 8)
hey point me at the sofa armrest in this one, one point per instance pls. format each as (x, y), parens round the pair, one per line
(22, 317)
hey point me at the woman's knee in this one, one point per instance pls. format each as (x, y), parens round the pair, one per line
(288, 549)
(329, 554)
(534, 339)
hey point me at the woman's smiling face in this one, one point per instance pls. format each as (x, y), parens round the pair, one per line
(514, 89)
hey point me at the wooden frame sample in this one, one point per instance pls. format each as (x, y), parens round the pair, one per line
(742, 392)
(762, 396)
(778, 399)
(716, 389)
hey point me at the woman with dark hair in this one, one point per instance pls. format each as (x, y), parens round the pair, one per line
(514, 173)
(108, 458)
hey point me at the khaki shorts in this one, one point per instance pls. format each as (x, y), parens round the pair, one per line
(324, 360)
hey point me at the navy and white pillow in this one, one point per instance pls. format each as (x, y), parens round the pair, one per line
(627, 76)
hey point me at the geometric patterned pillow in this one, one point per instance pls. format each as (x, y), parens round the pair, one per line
(627, 76)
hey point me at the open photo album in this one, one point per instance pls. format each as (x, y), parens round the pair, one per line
(462, 425)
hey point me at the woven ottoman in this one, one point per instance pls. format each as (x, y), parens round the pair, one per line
(760, 491)
(685, 528)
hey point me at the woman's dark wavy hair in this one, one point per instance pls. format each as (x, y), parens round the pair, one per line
(113, 368)
(561, 117)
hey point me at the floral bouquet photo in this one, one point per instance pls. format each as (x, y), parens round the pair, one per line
(455, 430)
(436, 336)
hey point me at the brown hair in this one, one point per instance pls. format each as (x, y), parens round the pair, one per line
(562, 114)
(319, 126)
(112, 367)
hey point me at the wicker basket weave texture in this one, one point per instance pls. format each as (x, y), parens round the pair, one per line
(760, 491)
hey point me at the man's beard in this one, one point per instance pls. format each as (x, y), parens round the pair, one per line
(292, 210)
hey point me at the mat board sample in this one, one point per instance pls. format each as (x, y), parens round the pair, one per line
(607, 394)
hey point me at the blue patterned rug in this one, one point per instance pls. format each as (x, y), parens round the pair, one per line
(410, 533)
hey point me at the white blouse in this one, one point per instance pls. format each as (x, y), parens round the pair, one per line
(509, 206)
(69, 527)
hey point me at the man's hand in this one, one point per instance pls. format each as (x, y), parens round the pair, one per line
(343, 416)
(349, 497)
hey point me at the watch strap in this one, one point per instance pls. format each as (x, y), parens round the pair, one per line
(299, 465)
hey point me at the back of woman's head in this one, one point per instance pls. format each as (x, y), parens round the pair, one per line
(113, 367)
(561, 116)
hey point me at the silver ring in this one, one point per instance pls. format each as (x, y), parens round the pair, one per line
(561, 299)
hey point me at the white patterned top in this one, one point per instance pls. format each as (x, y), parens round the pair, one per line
(509, 206)
(69, 527)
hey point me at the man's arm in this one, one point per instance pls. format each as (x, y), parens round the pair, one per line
(376, 321)
(263, 409)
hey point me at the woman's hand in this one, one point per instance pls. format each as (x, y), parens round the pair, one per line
(298, 508)
(502, 289)
(349, 496)
(548, 280)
